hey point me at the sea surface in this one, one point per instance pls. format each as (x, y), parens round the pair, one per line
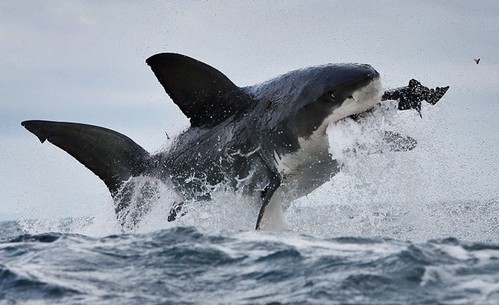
(416, 227)
(183, 265)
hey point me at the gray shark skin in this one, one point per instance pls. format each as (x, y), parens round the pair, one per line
(268, 141)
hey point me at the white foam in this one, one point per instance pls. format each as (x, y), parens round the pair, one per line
(416, 195)
(407, 195)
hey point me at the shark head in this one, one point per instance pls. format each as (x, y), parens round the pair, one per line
(308, 100)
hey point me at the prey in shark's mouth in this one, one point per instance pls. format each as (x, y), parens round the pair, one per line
(267, 141)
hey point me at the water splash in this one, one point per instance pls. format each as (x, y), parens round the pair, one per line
(412, 195)
(406, 195)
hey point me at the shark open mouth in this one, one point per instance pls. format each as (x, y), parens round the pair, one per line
(359, 101)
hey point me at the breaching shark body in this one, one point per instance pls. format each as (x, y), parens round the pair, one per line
(268, 141)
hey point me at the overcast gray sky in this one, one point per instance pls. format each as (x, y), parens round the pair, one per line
(84, 61)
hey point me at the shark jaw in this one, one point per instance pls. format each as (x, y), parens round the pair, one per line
(360, 100)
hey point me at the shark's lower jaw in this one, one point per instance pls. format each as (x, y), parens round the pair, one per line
(361, 100)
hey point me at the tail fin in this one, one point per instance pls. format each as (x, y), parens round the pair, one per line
(108, 154)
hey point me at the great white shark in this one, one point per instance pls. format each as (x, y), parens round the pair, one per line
(268, 141)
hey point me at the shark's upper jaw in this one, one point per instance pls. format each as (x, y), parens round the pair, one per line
(362, 99)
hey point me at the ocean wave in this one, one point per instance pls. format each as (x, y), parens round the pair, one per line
(184, 265)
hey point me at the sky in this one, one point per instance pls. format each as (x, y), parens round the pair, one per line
(84, 61)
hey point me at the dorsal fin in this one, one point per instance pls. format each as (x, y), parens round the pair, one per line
(204, 94)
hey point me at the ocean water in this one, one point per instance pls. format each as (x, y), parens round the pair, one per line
(390, 228)
(183, 265)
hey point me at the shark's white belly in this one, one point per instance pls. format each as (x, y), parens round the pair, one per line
(309, 152)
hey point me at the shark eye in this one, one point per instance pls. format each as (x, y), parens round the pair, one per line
(332, 95)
